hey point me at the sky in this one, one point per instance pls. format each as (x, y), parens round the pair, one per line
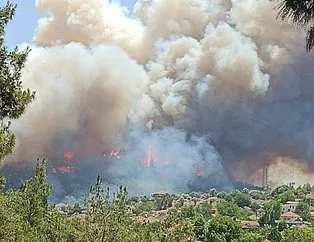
(22, 27)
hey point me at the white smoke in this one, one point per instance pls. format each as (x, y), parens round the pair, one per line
(223, 71)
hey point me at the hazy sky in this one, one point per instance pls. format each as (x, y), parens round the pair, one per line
(22, 27)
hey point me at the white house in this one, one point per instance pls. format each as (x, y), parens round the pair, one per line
(290, 206)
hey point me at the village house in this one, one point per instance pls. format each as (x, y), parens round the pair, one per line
(289, 216)
(290, 206)
(293, 219)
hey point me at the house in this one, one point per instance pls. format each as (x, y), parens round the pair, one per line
(289, 216)
(290, 206)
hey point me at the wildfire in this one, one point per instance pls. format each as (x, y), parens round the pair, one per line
(62, 169)
(200, 173)
(152, 159)
(68, 156)
(113, 153)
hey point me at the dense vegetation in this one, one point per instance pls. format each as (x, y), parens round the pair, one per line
(25, 215)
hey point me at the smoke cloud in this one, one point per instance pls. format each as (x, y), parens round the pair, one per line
(207, 88)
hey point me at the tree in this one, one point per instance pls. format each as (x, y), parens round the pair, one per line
(231, 209)
(300, 13)
(245, 190)
(307, 187)
(303, 209)
(282, 225)
(287, 196)
(274, 235)
(25, 214)
(241, 199)
(13, 98)
(213, 192)
(220, 228)
(199, 228)
(298, 235)
(255, 207)
(271, 212)
(251, 237)
(221, 195)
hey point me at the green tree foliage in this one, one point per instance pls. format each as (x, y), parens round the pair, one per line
(274, 235)
(213, 192)
(251, 237)
(282, 225)
(199, 228)
(13, 98)
(222, 228)
(307, 187)
(303, 209)
(203, 210)
(232, 210)
(255, 207)
(280, 189)
(298, 235)
(258, 195)
(25, 214)
(271, 212)
(242, 199)
(221, 195)
(287, 196)
(163, 201)
(301, 13)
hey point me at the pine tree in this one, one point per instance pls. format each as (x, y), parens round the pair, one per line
(300, 13)
(13, 98)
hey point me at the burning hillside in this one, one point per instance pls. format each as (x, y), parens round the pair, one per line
(179, 94)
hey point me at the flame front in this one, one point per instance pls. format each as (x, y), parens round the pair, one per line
(65, 168)
(151, 159)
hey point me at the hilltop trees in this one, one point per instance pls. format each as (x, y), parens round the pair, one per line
(270, 213)
(222, 229)
(25, 214)
(303, 209)
(301, 13)
(13, 98)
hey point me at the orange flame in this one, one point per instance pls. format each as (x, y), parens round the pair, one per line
(62, 169)
(151, 158)
(200, 173)
(68, 155)
(113, 153)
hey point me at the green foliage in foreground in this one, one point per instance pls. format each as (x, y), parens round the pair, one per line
(13, 98)
(25, 215)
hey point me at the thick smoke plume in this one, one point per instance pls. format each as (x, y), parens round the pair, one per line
(216, 90)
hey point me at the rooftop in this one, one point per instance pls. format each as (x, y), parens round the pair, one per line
(290, 215)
